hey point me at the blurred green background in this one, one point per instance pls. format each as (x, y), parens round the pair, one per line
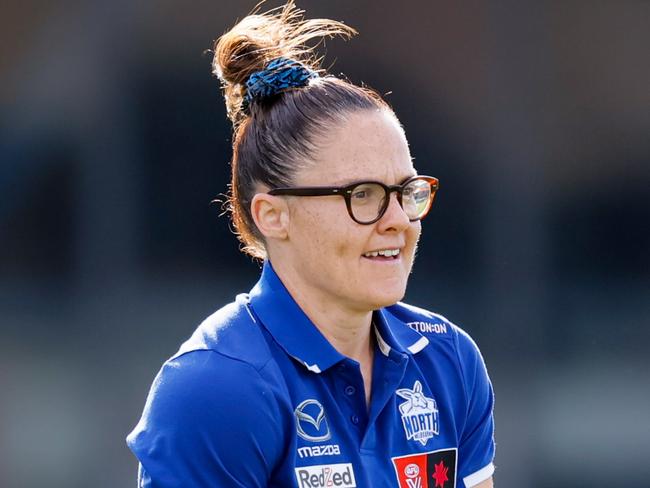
(535, 115)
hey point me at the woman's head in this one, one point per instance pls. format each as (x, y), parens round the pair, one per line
(316, 242)
(321, 131)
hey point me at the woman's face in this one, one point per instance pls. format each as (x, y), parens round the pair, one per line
(329, 252)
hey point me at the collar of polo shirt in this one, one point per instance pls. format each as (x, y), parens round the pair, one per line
(301, 339)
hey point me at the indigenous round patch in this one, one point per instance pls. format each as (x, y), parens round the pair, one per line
(435, 469)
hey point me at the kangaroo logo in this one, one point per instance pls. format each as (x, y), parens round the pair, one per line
(419, 414)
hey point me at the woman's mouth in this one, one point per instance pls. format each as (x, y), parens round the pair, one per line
(383, 254)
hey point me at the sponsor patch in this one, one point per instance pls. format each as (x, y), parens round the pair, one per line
(428, 327)
(315, 451)
(311, 421)
(327, 475)
(419, 414)
(435, 469)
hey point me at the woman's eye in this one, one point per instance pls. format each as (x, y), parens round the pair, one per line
(367, 193)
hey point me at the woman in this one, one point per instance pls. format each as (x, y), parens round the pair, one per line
(318, 377)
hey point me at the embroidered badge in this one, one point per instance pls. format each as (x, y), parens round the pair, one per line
(419, 414)
(436, 469)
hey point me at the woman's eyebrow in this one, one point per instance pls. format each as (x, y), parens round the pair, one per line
(411, 174)
(351, 181)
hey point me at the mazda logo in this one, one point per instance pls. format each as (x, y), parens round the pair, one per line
(311, 422)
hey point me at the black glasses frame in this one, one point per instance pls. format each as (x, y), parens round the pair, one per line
(346, 193)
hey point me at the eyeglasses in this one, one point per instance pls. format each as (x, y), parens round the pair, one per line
(367, 201)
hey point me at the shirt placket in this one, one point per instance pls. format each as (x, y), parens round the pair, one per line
(348, 383)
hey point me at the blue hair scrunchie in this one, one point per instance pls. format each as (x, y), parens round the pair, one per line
(279, 74)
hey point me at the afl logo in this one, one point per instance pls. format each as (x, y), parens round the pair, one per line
(411, 470)
(311, 422)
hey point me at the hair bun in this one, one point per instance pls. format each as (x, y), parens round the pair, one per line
(279, 75)
(259, 39)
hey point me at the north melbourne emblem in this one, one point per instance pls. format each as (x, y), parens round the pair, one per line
(419, 414)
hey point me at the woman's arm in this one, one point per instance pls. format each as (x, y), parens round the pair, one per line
(485, 484)
(476, 448)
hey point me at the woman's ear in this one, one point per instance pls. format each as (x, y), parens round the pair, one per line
(271, 215)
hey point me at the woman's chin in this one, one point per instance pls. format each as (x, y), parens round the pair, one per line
(386, 298)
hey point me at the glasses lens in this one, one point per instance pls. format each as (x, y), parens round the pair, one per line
(416, 198)
(366, 201)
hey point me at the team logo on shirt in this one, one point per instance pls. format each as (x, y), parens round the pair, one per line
(419, 414)
(435, 469)
(311, 421)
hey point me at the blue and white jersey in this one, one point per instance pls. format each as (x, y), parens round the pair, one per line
(258, 398)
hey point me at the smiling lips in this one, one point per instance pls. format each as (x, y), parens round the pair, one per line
(383, 254)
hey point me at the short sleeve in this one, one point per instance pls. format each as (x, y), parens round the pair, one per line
(209, 421)
(476, 445)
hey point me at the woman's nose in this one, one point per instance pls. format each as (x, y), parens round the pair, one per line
(394, 217)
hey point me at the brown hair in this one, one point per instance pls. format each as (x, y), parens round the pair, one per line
(276, 136)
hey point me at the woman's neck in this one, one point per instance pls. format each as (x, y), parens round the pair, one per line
(348, 329)
(349, 334)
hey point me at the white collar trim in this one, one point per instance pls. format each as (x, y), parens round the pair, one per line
(414, 348)
(383, 345)
(419, 345)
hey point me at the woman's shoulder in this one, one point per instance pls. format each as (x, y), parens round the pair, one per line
(439, 330)
(227, 355)
(218, 399)
(426, 322)
(232, 332)
(211, 417)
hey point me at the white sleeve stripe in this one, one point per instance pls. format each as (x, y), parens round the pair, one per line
(479, 476)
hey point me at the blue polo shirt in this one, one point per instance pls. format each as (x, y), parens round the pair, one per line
(257, 397)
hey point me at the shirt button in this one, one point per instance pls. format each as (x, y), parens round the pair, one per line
(354, 419)
(350, 390)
